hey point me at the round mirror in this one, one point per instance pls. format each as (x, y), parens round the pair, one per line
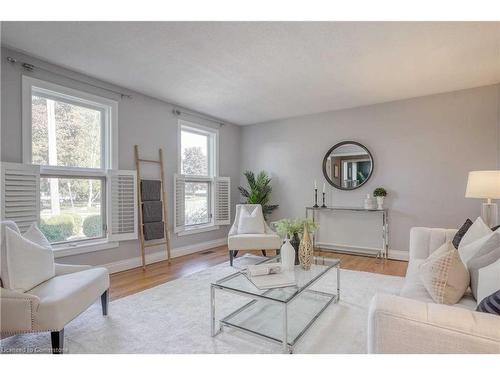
(347, 165)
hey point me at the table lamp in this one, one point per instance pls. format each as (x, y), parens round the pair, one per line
(486, 185)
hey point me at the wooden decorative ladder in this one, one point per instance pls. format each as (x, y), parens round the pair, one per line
(166, 232)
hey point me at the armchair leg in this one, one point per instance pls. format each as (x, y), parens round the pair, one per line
(57, 339)
(264, 253)
(105, 302)
(232, 255)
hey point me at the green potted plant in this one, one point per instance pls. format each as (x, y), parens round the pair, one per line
(293, 229)
(380, 193)
(258, 192)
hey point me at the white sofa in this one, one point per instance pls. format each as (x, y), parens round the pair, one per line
(413, 323)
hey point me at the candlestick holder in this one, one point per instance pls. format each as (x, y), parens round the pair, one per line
(316, 198)
(323, 205)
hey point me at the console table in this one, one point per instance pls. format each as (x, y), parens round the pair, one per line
(381, 253)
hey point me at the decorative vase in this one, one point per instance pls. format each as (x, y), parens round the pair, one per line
(369, 204)
(380, 202)
(306, 250)
(287, 254)
(295, 242)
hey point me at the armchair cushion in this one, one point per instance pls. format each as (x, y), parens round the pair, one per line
(254, 242)
(28, 263)
(251, 220)
(34, 234)
(64, 297)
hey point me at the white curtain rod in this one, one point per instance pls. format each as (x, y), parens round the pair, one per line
(30, 67)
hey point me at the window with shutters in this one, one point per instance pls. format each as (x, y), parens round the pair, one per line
(198, 199)
(71, 135)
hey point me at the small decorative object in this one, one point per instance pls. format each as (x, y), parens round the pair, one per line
(295, 242)
(287, 254)
(315, 195)
(380, 193)
(369, 204)
(292, 228)
(323, 205)
(306, 250)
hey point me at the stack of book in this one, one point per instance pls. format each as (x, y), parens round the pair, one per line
(269, 276)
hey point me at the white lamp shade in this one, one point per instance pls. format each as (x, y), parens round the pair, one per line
(483, 184)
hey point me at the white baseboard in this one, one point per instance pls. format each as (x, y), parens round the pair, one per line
(393, 254)
(159, 256)
(398, 254)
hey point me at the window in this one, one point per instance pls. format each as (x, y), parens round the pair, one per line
(198, 165)
(72, 136)
(202, 198)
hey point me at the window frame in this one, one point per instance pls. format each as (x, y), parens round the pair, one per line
(109, 150)
(77, 97)
(213, 171)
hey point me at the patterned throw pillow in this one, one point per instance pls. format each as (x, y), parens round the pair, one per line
(461, 232)
(444, 275)
(490, 304)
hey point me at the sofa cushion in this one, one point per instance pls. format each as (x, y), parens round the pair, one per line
(28, 263)
(490, 304)
(488, 254)
(414, 288)
(254, 242)
(62, 298)
(488, 280)
(472, 240)
(461, 233)
(444, 275)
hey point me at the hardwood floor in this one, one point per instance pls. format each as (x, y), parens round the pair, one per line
(134, 280)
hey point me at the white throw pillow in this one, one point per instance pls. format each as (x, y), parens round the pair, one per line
(28, 263)
(4, 272)
(488, 281)
(34, 234)
(251, 222)
(473, 240)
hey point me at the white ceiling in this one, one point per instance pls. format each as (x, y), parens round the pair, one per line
(250, 72)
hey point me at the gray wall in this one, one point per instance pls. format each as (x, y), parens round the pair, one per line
(143, 120)
(423, 149)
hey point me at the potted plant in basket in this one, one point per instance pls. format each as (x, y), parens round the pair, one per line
(380, 193)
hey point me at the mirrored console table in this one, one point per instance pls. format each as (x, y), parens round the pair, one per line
(382, 253)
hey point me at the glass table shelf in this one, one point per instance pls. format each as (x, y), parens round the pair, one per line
(282, 315)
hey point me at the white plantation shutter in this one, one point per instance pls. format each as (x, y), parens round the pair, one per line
(222, 195)
(179, 202)
(20, 196)
(122, 205)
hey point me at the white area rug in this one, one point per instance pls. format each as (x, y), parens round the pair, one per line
(175, 318)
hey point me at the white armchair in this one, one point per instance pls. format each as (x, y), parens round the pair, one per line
(268, 240)
(52, 304)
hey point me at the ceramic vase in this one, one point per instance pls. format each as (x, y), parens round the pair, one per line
(368, 203)
(380, 202)
(295, 242)
(287, 254)
(306, 250)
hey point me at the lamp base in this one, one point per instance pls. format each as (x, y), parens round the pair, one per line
(489, 214)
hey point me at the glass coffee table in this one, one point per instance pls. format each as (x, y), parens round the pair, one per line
(282, 315)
